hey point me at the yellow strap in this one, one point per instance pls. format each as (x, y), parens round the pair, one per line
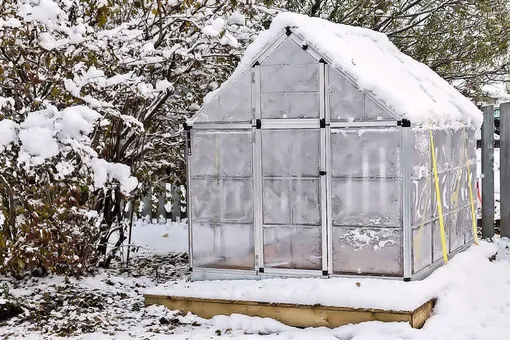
(473, 215)
(438, 197)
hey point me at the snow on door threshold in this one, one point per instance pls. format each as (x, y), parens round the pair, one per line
(306, 301)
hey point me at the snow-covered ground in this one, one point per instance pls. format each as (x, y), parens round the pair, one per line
(473, 302)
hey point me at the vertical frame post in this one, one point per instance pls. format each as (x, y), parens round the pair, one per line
(188, 156)
(323, 170)
(488, 172)
(504, 163)
(257, 171)
(407, 235)
(329, 223)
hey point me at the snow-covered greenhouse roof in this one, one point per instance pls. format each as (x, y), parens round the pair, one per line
(408, 88)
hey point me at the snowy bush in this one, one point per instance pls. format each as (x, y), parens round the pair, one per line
(92, 96)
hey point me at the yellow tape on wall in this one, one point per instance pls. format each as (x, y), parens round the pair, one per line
(438, 197)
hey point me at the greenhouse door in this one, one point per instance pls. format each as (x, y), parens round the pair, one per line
(292, 189)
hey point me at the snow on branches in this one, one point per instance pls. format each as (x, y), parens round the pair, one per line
(92, 95)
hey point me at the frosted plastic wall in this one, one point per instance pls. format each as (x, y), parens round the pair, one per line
(233, 105)
(451, 147)
(366, 201)
(291, 199)
(222, 199)
(289, 83)
(348, 103)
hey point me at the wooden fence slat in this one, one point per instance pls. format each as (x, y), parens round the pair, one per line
(504, 164)
(488, 172)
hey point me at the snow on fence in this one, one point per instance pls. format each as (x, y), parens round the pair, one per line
(165, 206)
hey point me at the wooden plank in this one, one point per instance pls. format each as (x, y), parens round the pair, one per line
(290, 314)
(488, 172)
(504, 168)
(421, 314)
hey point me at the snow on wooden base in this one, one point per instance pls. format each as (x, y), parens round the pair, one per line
(292, 314)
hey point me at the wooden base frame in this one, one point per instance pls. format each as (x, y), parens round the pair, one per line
(292, 314)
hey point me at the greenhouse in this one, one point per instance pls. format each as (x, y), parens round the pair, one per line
(319, 157)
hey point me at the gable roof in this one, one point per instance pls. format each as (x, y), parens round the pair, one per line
(407, 87)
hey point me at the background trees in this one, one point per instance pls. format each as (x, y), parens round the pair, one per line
(464, 41)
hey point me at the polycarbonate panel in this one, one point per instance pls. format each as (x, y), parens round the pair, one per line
(421, 205)
(459, 148)
(445, 191)
(223, 246)
(277, 201)
(443, 149)
(206, 197)
(366, 202)
(437, 248)
(360, 250)
(289, 78)
(225, 153)
(457, 230)
(290, 153)
(346, 102)
(232, 105)
(422, 247)
(365, 153)
(471, 140)
(290, 105)
(293, 247)
(305, 201)
(222, 200)
(458, 185)
(464, 219)
(288, 53)
(422, 160)
(291, 201)
(374, 111)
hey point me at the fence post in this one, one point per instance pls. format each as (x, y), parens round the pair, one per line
(488, 172)
(176, 203)
(504, 168)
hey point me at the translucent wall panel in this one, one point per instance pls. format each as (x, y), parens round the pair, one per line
(288, 53)
(422, 246)
(457, 230)
(367, 251)
(345, 100)
(437, 248)
(221, 153)
(348, 103)
(422, 161)
(290, 105)
(443, 140)
(366, 202)
(289, 78)
(222, 200)
(421, 205)
(290, 91)
(292, 247)
(290, 153)
(232, 105)
(374, 111)
(291, 198)
(221, 194)
(365, 153)
(445, 191)
(228, 246)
